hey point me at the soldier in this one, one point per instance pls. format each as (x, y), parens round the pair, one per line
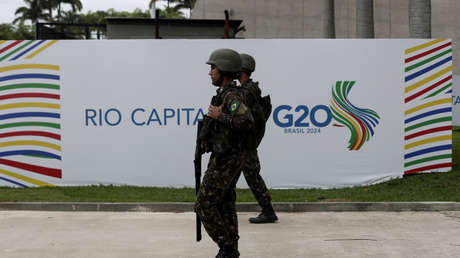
(228, 120)
(251, 164)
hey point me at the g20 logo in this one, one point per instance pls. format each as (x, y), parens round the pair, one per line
(301, 116)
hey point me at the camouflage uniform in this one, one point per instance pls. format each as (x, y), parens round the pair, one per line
(251, 163)
(215, 202)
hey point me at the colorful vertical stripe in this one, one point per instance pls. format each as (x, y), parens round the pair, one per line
(23, 49)
(361, 122)
(428, 107)
(30, 115)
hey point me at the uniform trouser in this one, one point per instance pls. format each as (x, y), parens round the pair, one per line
(251, 171)
(216, 198)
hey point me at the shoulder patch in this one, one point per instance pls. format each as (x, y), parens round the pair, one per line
(234, 106)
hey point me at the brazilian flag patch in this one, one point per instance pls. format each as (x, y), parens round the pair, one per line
(234, 106)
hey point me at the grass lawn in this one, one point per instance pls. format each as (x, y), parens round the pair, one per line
(423, 187)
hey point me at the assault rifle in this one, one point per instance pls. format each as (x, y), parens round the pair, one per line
(197, 163)
(204, 128)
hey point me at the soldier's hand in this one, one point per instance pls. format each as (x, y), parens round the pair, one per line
(214, 112)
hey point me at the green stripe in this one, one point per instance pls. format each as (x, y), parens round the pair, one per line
(43, 124)
(429, 122)
(339, 118)
(438, 91)
(336, 95)
(39, 156)
(17, 50)
(30, 85)
(445, 156)
(427, 60)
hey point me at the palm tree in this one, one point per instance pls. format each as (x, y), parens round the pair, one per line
(169, 2)
(420, 18)
(49, 5)
(75, 4)
(187, 4)
(365, 19)
(33, 11)
(170, 11)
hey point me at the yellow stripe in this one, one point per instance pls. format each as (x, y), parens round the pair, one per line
(429, 140)
(27, 105)
(29, 66)
(410, 50)
(33, 143)
(428, 79)
(429, 104)
(25, 178)
(41, 49)
(2, 41)
(350, 119)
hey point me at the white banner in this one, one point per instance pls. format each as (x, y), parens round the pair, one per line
(345, 112)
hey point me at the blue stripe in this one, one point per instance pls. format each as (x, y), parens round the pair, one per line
(450, 91)
(24, 52)
(428, 150)
(429, 68)
(29, 152)
(30, 114)
(30, 76)
(433, 112)
(14, 182)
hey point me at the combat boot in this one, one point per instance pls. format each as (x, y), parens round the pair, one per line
(228, 252)
(266, 216)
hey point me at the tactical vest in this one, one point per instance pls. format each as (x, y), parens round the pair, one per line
(222, 138)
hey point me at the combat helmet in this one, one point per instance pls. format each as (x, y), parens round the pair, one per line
(247, 62)
(226, 60)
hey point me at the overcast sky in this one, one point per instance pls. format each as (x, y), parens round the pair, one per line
(8, 7)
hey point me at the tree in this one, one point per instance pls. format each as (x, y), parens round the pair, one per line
(420, 18)
(33, 11)
(365, 19)
(49, 5)
(188, 4)
(172, 12)
(11, 32)
(76, 5)
(6, 31)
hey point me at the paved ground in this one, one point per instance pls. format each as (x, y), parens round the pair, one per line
(313, 234)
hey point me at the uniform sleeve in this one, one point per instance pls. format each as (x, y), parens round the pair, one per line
(240, 116)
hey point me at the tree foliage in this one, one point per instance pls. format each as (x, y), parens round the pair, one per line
(33, 11)
(14, 32)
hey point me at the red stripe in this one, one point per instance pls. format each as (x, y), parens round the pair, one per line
(416, 170)
(433, 130)
(32, 168)
(30, 95)
(427, 89)
(10, 46)
(361, 124)
(427, 52)
(34, 133)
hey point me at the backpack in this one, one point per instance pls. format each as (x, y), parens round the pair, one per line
(261, 108)
(266, 104)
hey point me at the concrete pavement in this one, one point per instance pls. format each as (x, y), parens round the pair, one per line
(47, 234)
